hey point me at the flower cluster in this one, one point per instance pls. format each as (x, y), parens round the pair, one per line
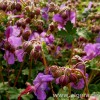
(49, 35)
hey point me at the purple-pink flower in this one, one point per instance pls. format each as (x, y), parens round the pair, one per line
(12, 31)
(80, 83)
(69, 16)
(43, 37)
(41, 85)
(92, 50)
(11, 57)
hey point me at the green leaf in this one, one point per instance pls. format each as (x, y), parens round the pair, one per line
(27, 97)
(69, 26)
(83, 32)
(14, 93)
(3, 87)
(74, 30)
(69, 38)
(25, 71)
(62, 32)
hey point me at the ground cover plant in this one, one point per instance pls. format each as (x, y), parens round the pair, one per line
(49, 50)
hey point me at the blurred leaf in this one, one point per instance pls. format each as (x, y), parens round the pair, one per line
(62, 33)
(69, 26)
(27, 97)
(14, 93)
(50, 98)
(3, 87)
(94, 88)
(25, 71)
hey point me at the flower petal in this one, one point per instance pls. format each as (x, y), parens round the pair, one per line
(20, 54)
(9, 57)
(15, 41)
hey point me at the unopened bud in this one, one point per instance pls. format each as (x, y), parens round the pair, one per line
(31, 14)
(27, 8)
(23, 25)
(18, 7)
(37, 11)
(51, 27)
(64, 80)
(19, 24)
(53, 68)
(4, 7)
(40, 29)
(82, 39)
(57, 73)
(38, 48)
(73, 77)
(34, 54)
(27, 46)
(13, 6)
(64, 15)
(28, 20)
(26, 35)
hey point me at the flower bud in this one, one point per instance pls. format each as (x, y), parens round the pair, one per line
(79, 76)
(27, 46)
(53, 68)
(38, 48)
(31, 15)
(23, 25)
(82, 39)
(13, 6)
(26, 34)
(37, 11)
(40, 29)
(51, 27)
(18, 7)
(64, 15)
(52, 7)
(19, 24)
(4, 7)
(28, 20)
(57, 73)
(73, 77)
(27, 8)
(64, 80)
(34, 54)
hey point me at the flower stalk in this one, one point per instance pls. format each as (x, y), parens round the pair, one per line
(45, 64)
(30, 69)
(16, 79)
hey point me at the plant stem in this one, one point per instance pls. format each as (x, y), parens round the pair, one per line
(8, 68)
(72, 52)
(45, 64)
(55, 98)
(44, 60)
(30, 69)
(69, 94)
(1, 76)
(86, 88)
(19, 73)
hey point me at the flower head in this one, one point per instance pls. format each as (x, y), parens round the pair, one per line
(92, 50)
(41, 84)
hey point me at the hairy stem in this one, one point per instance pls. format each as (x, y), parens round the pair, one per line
(72, 53)
(30, 69)
(19, 73)
(8, 68)
(86, 84)
(45, 64)
(2, 78)
(69, 91)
